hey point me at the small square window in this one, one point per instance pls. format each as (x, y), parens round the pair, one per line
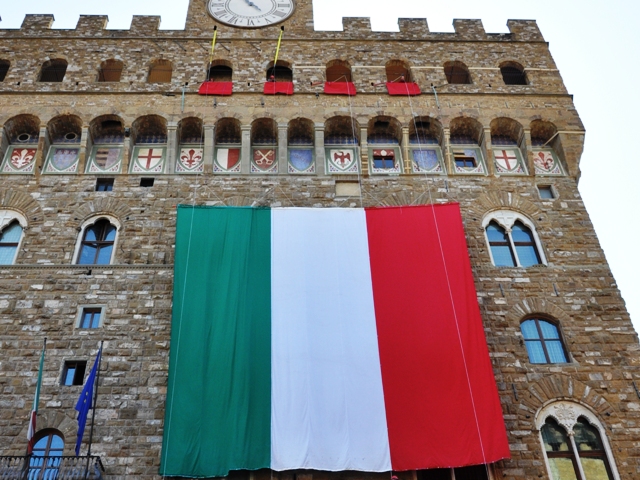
(147, 181)
(385, 162)
(104, 184)
(90, 317)
(73, 373)
(464, 161)
(546, 192)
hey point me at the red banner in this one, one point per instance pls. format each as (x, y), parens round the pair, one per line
(403, 88)
(216, 88)
(340, 88)
(273, 88)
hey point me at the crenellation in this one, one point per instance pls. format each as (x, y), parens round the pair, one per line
(145, 25)
(469, 29)
(413, 28)
(34, 24)
(91, 25)
(356, 25)
(525, 30)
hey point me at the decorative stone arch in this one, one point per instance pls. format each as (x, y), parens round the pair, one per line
(531, 306)
(110, 70)
(422, 128)
(191, 130)
(108, 207)
(457, 73)
(282, 71)
(405, 197)
(228, 130)
(18, 126)
(491, 201)
(507, 128)
(338, 71)
(53, 69)
(567, 412)
(220, 70)
(23, 204)
(384, 126)
(56, 420)
(513, 73)
(65, 128)
(160, 71)
(467, 127)
(89, 222)
(398, 70)
(300, 131)
(507, 218)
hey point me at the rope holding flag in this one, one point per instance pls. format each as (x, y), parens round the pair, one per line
(275, 60)
(213, 45)
(31, 432)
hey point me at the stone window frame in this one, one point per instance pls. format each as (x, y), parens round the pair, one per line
(567, 413)
(7, 217)
(81, 309)
(90, 222)
(506, 219)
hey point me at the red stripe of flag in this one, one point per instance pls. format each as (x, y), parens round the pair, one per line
(442, 407)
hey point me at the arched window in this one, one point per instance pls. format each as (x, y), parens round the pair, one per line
(513, 74)
(338, 71)
(97, 243)
(4, 68)
(219, 72)
(281, 72)
(457, 73)
(53, 70)
(575, 444)
(543, 342)
(9, 241)
(160, 71)
(47, 454)
(512, 240)
(110, 71)
(397, 71)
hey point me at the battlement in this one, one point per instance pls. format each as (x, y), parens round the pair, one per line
(353, 28)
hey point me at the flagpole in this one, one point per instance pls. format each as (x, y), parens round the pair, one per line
(93, 410)
(36, 397)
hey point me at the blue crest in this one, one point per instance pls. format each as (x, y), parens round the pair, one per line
(301, 159)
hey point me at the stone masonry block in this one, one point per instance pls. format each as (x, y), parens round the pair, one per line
(469, 29)
(37, 22)
(88, 24)
(525, 30)
(356, 24)
(414, 26)
(145, 24)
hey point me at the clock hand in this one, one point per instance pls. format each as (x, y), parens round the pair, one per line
(251, 4)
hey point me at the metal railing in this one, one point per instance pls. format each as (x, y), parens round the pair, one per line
(33, 467)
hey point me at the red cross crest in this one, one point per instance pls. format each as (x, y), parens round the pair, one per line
(507, 159)
(146, 154)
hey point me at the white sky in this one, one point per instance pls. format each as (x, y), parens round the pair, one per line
(594, 44)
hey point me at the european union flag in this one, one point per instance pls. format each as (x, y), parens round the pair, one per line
(85, 401)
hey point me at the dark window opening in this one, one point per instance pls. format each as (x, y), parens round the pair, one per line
(464, 161)
(338, 73)
(474, 472)
(220, 73)
(104, 184)
(90, 317)
(279, 74)
(513, 76)
(457, 74)
(110, 71)
(53, 71)
(147, 182)
(397, 71)
(73, 373)
(4, 68)
(383, 161)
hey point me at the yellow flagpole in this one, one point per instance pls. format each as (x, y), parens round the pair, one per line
(275, 61)
(213, 44)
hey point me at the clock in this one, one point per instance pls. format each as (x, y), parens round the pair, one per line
(250, 13)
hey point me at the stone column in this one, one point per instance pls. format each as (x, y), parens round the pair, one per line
(126, 153)
(85, 150)
(405, 150)
(172, 147)
(245, 165)
(449, 165)
(364, 151)
(209, 147)
(319, 146)
(488, 152)
(527, 153)
(283, 143)
(43, 147)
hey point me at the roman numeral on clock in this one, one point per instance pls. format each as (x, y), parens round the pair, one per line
(280, 14)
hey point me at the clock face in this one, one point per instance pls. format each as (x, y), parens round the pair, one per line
(250, 13)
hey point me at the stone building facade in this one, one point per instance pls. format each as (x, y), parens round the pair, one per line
(82, 109)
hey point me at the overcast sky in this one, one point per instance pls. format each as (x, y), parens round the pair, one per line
(594, 43)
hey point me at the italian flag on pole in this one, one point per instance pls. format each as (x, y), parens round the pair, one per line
(327, 339)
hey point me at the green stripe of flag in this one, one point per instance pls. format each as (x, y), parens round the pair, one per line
(222, 285)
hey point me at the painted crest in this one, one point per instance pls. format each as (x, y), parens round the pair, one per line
(106, 160)
(149, 160)
(301, 161)
(21, 160)
(190, 160)
(507, 161)
(342, 161)
(426, 161)
(64, 158)
(264, 160)
(545, 163)
(227, 160)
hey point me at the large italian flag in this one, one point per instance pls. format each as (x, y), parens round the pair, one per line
(326, 339)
